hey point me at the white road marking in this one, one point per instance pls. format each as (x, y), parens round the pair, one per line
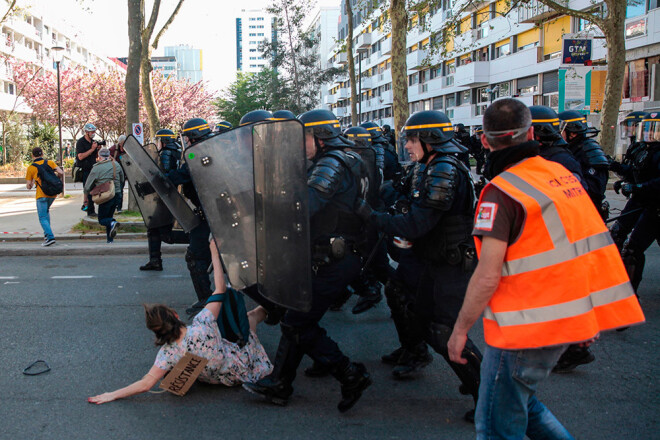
(12, 282)
(71, 277)
(7, 278)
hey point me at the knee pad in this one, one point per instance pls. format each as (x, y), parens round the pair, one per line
(438, 336)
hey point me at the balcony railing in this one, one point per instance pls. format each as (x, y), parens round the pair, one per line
(533, 12)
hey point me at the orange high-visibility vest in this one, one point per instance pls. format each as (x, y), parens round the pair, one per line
(563, 280)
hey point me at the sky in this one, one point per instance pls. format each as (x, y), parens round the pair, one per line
(204, 24)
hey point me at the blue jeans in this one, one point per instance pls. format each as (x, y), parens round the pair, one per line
(105, 215)
(43, 207)
(507, 406)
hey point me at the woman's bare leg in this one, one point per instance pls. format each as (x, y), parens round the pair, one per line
(256, 316)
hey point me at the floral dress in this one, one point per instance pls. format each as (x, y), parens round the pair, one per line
(228, 364)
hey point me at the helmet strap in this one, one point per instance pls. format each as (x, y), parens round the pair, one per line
(427, 152)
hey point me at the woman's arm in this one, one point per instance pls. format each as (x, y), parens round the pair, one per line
(141, 386)
(218, 279)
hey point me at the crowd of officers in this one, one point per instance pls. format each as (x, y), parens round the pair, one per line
(419, 214)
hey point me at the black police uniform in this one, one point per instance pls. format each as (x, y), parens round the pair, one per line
(168, 160)
(335, 183)
(645, 190)
(439, 224)
(478, 152)
(463, 138)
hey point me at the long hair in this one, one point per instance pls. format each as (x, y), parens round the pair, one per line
(164, 322)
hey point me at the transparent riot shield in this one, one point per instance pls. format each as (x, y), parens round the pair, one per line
(153, 179)
(252, 185)
(154, 212)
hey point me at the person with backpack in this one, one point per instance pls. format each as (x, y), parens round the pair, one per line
(104, 185)
(44, 174)
(229, 363)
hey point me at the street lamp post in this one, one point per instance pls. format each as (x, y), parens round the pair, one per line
(58, 53)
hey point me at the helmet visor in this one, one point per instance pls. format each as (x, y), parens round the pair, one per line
(628, 128)
(649, 131)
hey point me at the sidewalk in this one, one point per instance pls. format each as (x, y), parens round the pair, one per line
(75, 247)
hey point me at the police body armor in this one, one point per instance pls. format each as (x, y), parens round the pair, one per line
(645, 164)
(251, 182)
(169, 157)
(369, 156)
(450, 241)
(336, 220)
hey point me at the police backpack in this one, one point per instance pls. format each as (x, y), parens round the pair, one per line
(51, 185)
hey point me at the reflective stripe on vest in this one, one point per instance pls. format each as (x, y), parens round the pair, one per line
(563, 280)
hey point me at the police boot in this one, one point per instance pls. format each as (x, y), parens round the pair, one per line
(195, 308)
(392, 358)
(369, 291)
(199, 276)
(572, 357)
(412, 360)
(354, 380)
(277, 386)
(153, 264)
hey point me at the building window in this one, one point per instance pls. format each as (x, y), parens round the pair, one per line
(527, 85)
(635, 8)
(503, 50)
(451, 101)
(464, 97)
(482, 95)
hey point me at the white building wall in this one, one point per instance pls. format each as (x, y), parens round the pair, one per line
(256, 26)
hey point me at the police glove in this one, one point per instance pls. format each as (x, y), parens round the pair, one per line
(627, 189)
(363, 210)
(617, 186)
(616, 166)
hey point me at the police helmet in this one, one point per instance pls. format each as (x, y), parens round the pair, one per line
(459, 128)
(375, 131)
(478, 130)
(283, 115)
(573, 122)
(255, 116)
(196, 129)
(545, 122)
(223, 126)
(433, 128)
(648, 130)
(325, 126)
(359, 135)
(166, 136)
(629, 124)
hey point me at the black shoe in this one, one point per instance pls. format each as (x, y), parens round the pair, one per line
(410, 362)
(194, 309)
(318, 370)
(337, 305)
(153, 265)
(354, 380)
(367, 302)
(275, 390)
(573, 357)
(392, 358)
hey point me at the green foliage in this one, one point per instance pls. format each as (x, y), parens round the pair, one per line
(45, 136)
(15, 140)
(250, 91)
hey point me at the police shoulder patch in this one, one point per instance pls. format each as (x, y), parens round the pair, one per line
(485, 216)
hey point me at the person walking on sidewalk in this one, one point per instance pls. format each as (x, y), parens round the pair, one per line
(549, 275)
(44, 201)
(86, 155)
(105, 170)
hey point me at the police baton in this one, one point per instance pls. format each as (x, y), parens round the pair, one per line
(634, 211)
(372, 254)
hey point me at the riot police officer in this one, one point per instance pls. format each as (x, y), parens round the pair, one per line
(477, 149)
(553, 147)
(389, 161)
(632, 211)
(223, 126)
(198, 254)
(439, 225)
(592, 159)
(283, 115)
(256, 116)
(645, 189)
(462, 135)
(336, 180)
(169, 155)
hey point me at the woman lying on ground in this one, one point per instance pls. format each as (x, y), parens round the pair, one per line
(228, 364)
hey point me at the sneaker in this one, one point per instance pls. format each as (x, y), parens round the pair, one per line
(83, 208)
(119, 211)
(48, 242)
(113, 229)
(92, 215)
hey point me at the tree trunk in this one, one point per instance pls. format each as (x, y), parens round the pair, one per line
(399, 18)
(614, 30)
(135, 24)
(351, 66)
(147, 91)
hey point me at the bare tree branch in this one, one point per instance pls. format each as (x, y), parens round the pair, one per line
(149, 29)
(585, 15)
(10, 9)
(166, 25)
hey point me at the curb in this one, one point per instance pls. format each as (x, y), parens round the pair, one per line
(72, 248)
(100, 236)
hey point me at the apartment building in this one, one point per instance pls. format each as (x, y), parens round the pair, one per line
(323, 28)
(253, 26)
(165, 65)
(29, 37)
(188, 61)
(491, 56)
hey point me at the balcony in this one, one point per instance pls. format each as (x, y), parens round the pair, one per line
(385, 77)
(534, 12)
(363, 41)
(367, 83)
(342, 59)
(386, 98)
(423, 88)
(340, 112)
(386, 46)
(330, 99)
(343, 93)
(415, 60)
(474, 73)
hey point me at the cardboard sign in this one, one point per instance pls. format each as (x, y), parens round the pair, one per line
(183, 375)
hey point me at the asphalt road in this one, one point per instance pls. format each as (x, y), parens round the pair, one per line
(91, 331)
